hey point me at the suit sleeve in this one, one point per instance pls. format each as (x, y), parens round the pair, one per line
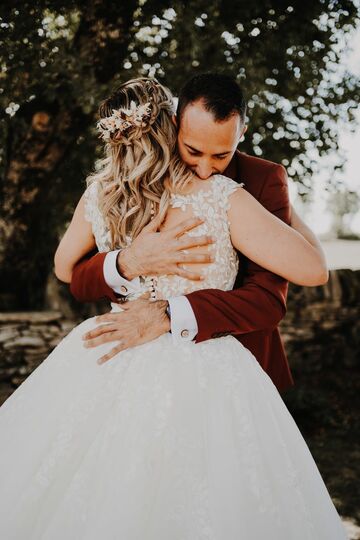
(260, 302)
(87, 281)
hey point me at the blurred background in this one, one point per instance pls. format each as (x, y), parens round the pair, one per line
(298, 62)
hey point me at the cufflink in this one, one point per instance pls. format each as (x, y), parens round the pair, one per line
(184, 333)
(123, 289)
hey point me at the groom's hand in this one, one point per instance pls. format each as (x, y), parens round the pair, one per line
(155, 252)
(141, 321)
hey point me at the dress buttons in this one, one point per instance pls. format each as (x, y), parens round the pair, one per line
(123, 289)
(184, 333)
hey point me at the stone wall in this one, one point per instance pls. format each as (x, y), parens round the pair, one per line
(26, 338)
(322, 325)
(321, 331)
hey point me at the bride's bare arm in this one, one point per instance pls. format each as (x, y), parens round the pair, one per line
(300, 226)
(272, 244)
(77, 241)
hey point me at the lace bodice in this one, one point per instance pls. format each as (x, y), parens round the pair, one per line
(210, 203)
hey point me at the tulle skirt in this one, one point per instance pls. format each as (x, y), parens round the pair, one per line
(165, 441)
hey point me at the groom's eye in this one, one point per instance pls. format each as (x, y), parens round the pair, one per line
(192, 153)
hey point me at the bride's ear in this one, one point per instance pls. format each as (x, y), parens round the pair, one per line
(174, 120)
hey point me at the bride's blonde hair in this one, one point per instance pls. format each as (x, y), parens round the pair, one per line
(141, 163)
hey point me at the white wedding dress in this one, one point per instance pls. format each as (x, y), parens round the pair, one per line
(165, 441)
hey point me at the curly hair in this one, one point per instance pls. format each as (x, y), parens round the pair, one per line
(141, 165)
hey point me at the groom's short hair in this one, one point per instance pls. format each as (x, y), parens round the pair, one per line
(221, 94)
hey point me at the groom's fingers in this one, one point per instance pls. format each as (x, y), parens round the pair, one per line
(182, 258)
(188, 242)
(113, 352)
(100, 330)
(109, 317)
(184, 226)
(123, 344)
(188, 274)
(103, 338)
(153, 225)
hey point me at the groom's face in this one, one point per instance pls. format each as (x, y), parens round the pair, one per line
(205, 144)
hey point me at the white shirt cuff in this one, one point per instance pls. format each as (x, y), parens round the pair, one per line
(183, 321)
(114, 280)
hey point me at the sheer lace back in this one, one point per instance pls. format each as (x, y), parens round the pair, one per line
(212, 205)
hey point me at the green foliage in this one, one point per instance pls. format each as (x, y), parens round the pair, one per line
(286, 55)
(59, 59)
(344, 204)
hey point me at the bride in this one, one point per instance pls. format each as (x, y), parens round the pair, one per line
(172, 442)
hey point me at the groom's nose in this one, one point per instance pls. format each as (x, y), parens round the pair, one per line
(204, 169)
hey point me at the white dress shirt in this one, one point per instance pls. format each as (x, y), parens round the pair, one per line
(183, 321)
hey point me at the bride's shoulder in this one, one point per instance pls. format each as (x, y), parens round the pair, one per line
(227, 185)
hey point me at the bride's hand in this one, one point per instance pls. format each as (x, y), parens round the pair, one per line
(160, 253)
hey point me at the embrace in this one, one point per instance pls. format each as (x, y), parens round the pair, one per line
(182, 432)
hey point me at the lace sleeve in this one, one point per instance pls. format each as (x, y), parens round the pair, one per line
(228, 186)
(90, 202)
(93, 215)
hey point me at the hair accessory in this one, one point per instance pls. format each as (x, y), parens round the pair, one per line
(123, 119)
(151, 87)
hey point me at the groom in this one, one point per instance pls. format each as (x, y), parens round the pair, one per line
(211, 121)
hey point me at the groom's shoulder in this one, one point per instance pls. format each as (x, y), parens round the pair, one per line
(254, 165)
(257, 173)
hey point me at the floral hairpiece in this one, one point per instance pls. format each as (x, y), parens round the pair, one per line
(122, 119)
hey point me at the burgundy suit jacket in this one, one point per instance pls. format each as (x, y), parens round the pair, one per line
(256, 305)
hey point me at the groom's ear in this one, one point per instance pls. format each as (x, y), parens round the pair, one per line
(243, 131)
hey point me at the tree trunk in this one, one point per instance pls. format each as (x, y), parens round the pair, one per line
(39, 141)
